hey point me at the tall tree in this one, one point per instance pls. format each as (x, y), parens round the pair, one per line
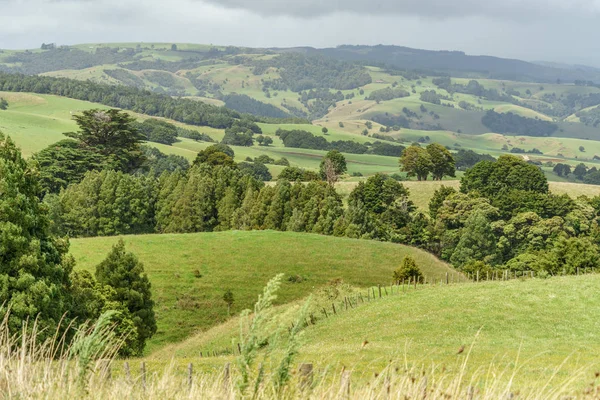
(416, 161)
(124, 273)
(332, 166)
(111, 133)
(34, 266)
(442, 161)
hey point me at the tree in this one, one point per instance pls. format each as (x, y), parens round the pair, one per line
(173, 47)
(332, 166)
(111, 133)
(35, 267)
(507, 173)
(66, 162)
(442, 161)
(582, 149)
(124, 273)
(439, 196)
(477, 241)
(3, 104)
(257, 170)
(416, 161)
(228, 299)
(562, 169)
(217, 154)
(324, 130)
(580, 171)
(408, 271)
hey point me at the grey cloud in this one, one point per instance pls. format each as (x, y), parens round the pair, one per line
(512, 9)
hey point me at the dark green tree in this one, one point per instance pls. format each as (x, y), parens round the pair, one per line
(580, 171)
(416, 161)
(439, 196)
(217, 154)
(477, 241)
(124, 273)
(66, 162)
(507, 173)
(35, 268)
(332, 166)
(442, 161)
(111, 133)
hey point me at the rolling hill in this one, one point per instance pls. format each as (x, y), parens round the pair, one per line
(536, 329)
(190, 273)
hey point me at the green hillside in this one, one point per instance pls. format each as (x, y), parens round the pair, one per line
(533, 328)
(190, 273)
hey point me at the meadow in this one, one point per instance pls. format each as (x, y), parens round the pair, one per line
(190, 273)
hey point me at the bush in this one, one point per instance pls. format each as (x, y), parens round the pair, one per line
(408, 270)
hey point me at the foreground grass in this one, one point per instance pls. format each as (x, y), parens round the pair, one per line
(557, 363)
(537, 330)
(534, 325)
(244, 262)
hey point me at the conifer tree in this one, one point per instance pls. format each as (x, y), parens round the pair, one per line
(34, 266)
(125, 275)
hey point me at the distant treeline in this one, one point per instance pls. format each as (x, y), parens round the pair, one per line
(129, 98)
(246, 104)
(305, 140)
(515, 124)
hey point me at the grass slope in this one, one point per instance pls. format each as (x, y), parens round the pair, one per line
(539, 322)
(529, 326)
(244, 262)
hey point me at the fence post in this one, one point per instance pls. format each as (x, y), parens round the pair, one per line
(345, 384)
(190, 374)
(333, 306)
(447, 282)
(143, 368)
(306, 376)
(477, 275)
(226, 377)
(127, 371)
(379, 291)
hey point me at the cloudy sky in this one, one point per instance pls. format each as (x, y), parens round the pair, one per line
(552, 30)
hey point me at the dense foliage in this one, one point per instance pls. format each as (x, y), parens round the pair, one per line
(37, 282)
(515, 124)
(247, 105)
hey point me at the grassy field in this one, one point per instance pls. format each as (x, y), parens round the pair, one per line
(244, 262)
(533, 328)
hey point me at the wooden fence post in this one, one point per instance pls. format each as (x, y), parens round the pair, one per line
(333, 307)
(226, 377)
(143, 368)
(127, 372)
(345, 384)
(190, 374)
(447, 281)
(306, 376)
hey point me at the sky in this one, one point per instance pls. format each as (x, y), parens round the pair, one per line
(550, 30)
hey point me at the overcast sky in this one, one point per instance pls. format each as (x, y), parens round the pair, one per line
(552, 30)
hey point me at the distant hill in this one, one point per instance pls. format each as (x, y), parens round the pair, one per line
(457, 63)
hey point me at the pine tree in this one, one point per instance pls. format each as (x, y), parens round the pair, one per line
(122, 272)
(34, 266)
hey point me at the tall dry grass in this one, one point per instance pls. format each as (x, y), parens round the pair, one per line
(88, 369)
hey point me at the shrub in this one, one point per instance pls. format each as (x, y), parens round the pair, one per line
(408, 270)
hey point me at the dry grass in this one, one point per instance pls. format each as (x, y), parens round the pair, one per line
(29, 371)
